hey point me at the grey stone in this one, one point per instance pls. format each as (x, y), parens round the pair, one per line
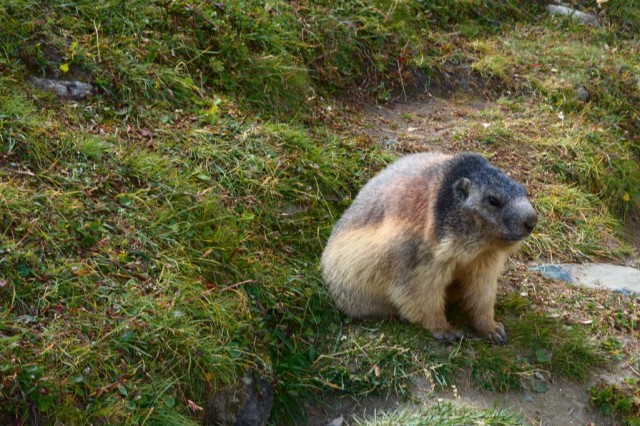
(582, 94)
(336, 422)
(605, 275)
(576, 15)
(624, 279)
(63, 88)
(257, 407)
(248, 405)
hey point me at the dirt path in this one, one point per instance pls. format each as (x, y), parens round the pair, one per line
(564, 403)
(430, 123)
(449, 125)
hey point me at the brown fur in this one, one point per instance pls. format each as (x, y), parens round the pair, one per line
(391, 263)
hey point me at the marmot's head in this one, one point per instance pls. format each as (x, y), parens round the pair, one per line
(481, 200)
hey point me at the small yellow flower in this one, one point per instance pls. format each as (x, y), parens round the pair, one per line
(626, 197)
(64, 67)
(213, 110)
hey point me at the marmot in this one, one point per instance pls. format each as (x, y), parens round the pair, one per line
(428, 230)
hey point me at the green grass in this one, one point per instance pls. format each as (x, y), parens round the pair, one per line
(160, 238)
(568, 211)
(119, 256)
(622, 400)
(443, 414)
(539, 347)
(386, 357)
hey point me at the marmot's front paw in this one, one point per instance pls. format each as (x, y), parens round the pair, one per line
(495, 334)
(448, 334)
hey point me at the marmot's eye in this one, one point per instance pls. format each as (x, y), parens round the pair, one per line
(493, 201)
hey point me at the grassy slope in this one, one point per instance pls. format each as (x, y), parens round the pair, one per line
(161, 237)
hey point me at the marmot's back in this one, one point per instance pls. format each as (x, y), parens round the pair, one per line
(391, 191)
(419, 225)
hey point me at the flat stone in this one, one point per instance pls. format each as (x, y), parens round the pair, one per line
(63, 88)
(606, 275)
(595, 275)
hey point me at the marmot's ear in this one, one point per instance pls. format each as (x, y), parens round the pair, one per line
(462, 187)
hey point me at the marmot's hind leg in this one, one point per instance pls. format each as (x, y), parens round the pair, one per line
(360, 304)
(356, 269)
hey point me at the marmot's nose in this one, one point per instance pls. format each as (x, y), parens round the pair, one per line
(531, 221)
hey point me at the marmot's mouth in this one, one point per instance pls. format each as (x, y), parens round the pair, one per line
(515, 238)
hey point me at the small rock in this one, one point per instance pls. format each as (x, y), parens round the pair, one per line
(576, 15)
(247, 406)
(389, 143)
(582, 94)
(336, 422)
(63, 88)
(527, 398)
(257, 407)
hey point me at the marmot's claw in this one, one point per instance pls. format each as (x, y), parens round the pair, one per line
(451, 335)
(497, 336)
